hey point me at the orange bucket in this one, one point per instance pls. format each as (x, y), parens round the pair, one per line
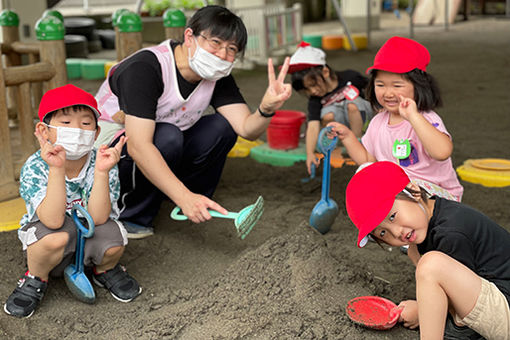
(283, 130)
(332, 42)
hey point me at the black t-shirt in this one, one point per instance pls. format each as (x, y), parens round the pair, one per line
(356, 78)
(138, 83)
(471, 238)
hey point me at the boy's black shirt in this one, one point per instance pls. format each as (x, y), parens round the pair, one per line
(471, 238)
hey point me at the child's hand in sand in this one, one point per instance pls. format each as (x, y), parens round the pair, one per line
(409, 315)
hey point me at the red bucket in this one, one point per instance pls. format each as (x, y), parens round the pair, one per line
(283, 130)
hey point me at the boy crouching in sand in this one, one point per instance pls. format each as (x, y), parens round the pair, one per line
(64, 172)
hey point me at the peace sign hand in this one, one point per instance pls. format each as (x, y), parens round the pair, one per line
(107, 157)
(54, 155)
(277, 92)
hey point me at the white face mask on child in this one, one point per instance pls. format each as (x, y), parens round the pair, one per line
(76, 142)
(207, 65)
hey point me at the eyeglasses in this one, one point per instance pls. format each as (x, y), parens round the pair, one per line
(216, 45)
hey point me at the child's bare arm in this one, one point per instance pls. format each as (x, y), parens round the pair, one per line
(51, 211)
(437, 144)
(312, 133)
(355, 149)
(355, 120)
(99, 204)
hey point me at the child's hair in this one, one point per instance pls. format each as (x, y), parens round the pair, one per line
(315, 72)
(426, 91)
(75, 108)
(219, 22)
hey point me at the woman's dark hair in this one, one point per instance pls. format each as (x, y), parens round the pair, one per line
(315, 72)
(219, 22)
(49, 115)
(426, 91)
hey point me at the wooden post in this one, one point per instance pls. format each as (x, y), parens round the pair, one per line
(8, 184)
(9, 21)
(50, 33)
(174, 21)
(115, 17)
(130, 34)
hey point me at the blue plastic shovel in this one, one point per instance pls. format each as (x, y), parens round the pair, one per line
(325, 211)
(75, 278)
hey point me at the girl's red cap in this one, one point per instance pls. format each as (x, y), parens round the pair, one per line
(370, 195)
(401, 55)
(65, 96)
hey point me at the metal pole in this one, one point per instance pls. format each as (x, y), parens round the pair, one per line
(411, 23)
(346, 29)
(369, 22)
(446, 15)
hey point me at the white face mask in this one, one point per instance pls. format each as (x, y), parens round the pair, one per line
(207, 65)
(76, 142)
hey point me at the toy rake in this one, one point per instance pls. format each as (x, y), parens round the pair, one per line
(244, 220)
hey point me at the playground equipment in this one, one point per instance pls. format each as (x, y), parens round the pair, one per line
(128, 29)
(20, 88)
(272, 30)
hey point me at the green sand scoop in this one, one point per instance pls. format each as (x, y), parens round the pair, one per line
(244, 220)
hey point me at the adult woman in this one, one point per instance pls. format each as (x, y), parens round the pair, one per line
(159, 96)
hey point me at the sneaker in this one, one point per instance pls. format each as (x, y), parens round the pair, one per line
(26, 297)
(454, 332)
(121, 285)
(136, 231)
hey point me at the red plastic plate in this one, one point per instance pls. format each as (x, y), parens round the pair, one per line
(373, 311)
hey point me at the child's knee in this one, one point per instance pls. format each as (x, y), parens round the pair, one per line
(430, 265)
(114, 251)
(54, 242)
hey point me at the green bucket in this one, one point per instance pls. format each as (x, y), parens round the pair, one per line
(73, 66)
(93, 69)
(314, 40)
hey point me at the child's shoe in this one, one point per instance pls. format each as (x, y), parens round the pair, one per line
(26, 297)
(121, 285)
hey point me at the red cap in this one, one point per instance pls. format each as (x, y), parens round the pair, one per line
(65, 96)
(305, 57)
(401, 55)
(370, 195)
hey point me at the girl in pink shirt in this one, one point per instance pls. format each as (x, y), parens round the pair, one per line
(406, 130)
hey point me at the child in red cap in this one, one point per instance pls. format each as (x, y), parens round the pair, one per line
(405, 130)
(64, 172)
(465, 263)
(332, 95)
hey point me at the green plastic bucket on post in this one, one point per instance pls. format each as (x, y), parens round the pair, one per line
(313, 39)
(49, 28)
(9, 18)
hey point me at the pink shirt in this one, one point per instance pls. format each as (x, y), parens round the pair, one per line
(172, 107)
(379, 139)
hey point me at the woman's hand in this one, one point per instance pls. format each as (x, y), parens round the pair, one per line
(277, 92)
